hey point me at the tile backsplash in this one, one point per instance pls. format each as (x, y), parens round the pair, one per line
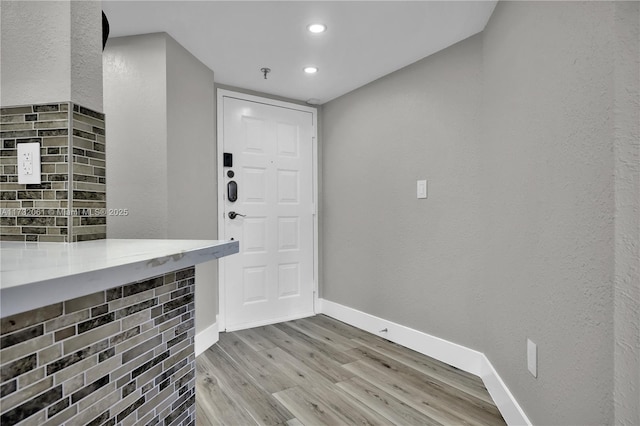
(70, 203)
(122, 356)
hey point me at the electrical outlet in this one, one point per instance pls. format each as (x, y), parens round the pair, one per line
(29, 163)
(421, 189)
(532, 358)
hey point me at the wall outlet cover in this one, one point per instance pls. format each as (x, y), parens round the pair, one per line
(532, 358)
(29, 163)
(421, 189)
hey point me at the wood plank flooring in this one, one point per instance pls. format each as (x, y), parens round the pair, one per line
(320, 371)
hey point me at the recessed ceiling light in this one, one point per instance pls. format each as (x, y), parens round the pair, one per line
(311, 70)
(317, 28)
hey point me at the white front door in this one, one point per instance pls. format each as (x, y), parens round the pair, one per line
(271, 279)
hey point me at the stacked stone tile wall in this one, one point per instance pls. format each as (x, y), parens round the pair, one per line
(70, 203)
(88, 174)
(121, 356)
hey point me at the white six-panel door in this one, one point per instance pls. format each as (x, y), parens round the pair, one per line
(271, 279)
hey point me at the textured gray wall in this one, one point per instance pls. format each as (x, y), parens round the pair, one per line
(51, 52)
(514, 129)
(627, 175)
(548, 206)
(135, 100)
(415, 262)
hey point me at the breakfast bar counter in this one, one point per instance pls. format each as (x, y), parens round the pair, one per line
(38, 274)
(100, 332)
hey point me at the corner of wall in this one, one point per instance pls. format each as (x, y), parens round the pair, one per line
(627, 218)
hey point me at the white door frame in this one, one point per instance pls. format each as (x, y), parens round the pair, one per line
(221, 94)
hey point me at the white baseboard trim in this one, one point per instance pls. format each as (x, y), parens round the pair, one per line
(206, 338)
(453, 354)
(459, 356)
(502, 396)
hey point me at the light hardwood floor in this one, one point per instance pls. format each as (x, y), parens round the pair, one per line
(319, 371)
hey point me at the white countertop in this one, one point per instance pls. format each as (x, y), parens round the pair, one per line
(38, 274)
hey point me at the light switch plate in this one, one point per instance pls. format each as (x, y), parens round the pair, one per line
(422, 189)
(532, 358)
(29, 163)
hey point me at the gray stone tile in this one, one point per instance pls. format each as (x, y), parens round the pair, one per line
(119, 338)
(90, 338)
(121, 313)
(176, 303)
(138, 287)
(32, 406)
(75, 357)
(130, 409)
(25, 348)
(95, 397)
(49, 354)
(106, 374)
(86, 417)
(89, 389)
(64, 333)
(105, 367)
(18, 367)
(46, 108)
(73, 384)
(8, 388)
(23, 335)
(74, 369)
(95, 322)
(106, 354)
(131, 299)
(88, 112)
(141, 348)
(62, 417)
(58, 407)
(27, 393)
(30, 378)
(136, 319)
(16, 110)
(84, 302)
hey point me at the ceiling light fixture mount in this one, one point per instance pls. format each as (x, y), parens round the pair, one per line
(310, 70)
(265, 71)
(317, 28)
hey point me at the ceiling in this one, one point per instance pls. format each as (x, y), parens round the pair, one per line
(365, 40)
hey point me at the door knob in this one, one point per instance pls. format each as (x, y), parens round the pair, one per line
(232, 215)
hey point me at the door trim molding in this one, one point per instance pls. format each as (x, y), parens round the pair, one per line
(459, 356)
(225, 93)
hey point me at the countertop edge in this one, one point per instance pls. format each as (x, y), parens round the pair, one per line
(25, 297)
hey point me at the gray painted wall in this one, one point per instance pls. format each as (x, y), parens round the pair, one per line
(135, 100)
(548, 209)
(514, 129)
(627, 223)
(44, 63)
(161, 152)
(415, 262)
